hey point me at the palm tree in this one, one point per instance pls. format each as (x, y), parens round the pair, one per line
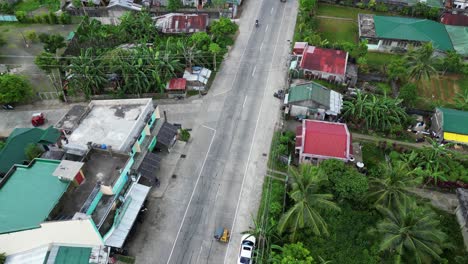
(413, 236)
(215, 49)
(264, 232)
(391, 189)
(304, 213)
(421, 63)
(87, 73)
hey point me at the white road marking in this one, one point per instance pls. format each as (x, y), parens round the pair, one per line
(271, 12)
(261, 46)
(193, 192)
(266, 29)
(199, 253)
(253, 72)
(251, 144)
(245, 100)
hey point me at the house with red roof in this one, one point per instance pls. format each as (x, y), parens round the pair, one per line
(454, 19)
(320, 140)
(175, 23)
(327, 64)
(176, 87)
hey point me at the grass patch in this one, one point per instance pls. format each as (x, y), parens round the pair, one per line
(335, 30)
(31, 5)
(343, 11)
(442, 90)
(378, 59)
(126, 259)
(372, 155)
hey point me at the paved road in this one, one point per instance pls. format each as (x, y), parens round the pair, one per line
(219, 181)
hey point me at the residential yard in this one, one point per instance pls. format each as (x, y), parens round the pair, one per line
(343, 11)
(441, 91)
(20, 59)
(32, 5)
(378, 59)
(335, 30)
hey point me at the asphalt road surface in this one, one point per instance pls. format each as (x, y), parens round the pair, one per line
(219, 181)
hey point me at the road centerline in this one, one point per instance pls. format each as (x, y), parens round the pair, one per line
(193, 192)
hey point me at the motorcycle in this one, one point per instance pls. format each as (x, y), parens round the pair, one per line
(8, 107)
(256, 23)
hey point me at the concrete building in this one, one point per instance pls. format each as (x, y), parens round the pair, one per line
(326, 64)
(94, 188)
(450, 125)
(117, 124)
(320, 140)
(388, 34)
(313, 101)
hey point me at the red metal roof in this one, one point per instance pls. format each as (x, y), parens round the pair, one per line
(326, 139)
(177, 84)
(324, 60)
(454, 19)
(182, 23)
(299, 47)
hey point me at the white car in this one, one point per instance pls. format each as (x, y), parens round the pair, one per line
(246, 249)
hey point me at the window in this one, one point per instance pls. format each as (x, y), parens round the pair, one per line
(401, 44)
(386, 42)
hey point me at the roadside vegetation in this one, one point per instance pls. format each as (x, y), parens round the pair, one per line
(334, 213)
(133, 58)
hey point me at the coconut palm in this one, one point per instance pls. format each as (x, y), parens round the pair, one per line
(304, 213)
(413, 235)
(264, 232)
(391, 188)
(421, 63)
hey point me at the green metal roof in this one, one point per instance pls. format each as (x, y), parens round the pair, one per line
(73, 255)
(309, 91)
(415, 29)
(459, 37)
(29, 194)
(19, 139)
(454, 121)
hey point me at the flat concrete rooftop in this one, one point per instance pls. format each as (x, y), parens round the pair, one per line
(99, 167)
(110, 122)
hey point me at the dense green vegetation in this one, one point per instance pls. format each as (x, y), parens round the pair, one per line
(132, 58)
(31, 5)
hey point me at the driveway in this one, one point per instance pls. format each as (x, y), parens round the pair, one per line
(21, 116)
(219, 181)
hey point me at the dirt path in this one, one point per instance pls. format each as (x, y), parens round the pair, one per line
(337, 18)
(377, 139)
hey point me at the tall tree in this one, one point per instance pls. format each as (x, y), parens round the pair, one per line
(14, 89)
(215, 49)
(46, 61)
(304, 213)
(52, 42)
(421, 63)
(413, 235)
(452, 62)
(391, 187)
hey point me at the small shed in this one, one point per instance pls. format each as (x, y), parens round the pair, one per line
(197, 78)
(166, 136)
(176, 87)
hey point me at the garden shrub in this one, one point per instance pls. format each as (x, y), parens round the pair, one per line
(345, 181)
(32, 151)
(184, 135)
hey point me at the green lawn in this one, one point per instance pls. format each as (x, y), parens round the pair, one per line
(343, 11)
(31, 5)
(338, 30)
(377, 59)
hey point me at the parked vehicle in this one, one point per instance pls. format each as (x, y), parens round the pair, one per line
(8, 107)
(38, 119)
(246, 249)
